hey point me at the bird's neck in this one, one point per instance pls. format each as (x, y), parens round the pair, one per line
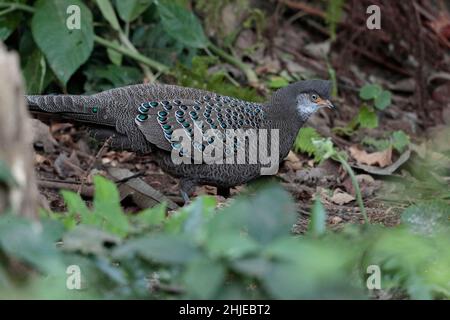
(287, 121)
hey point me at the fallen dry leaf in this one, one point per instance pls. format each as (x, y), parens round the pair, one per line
(67, 166)
(41, 134)
(39, 159)
(340, 197)
(292, 162)
(382, 158)
(336, 220)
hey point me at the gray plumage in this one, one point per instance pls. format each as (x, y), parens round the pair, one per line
(143, 117)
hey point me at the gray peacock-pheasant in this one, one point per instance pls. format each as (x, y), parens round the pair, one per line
(145, 118)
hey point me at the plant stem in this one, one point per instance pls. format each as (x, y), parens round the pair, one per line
(6, 11)
(355, 185)
(252, 78)
(17, 6)
(127, 43)
(132, 54)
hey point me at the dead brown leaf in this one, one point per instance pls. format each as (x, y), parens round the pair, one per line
(381, 158)
(42, 135)
(292, 162)
(340, 197)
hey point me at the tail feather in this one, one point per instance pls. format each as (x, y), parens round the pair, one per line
(76, 108)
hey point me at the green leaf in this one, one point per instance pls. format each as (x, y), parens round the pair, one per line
(198, 212)
(34, 72)
(152, 216)
(108, 13)
(25, 240)
(317, 225)
(231, 245)
(131, 9)
(162, 248)
(370, 91)
(89, 240)
(378, 144)
(254, 267)
(277, 82)
(181, 24)
(110, 76)
(400, 140)
(66, 50)
(367, 118)
(154, 42)
(383, 100)
(114, 56)
(203, 278)
(324, 148)
(303, 142)
(8, 23)
(77, 207)
(107, 205)
(333, 15)
(265, 218)
(427, 217)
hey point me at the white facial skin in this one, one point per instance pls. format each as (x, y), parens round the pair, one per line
(308, 103)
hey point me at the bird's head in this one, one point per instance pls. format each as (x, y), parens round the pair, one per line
(304, 97)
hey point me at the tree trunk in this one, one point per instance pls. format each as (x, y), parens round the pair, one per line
(18, 191)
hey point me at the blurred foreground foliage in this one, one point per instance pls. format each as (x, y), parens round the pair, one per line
(244, 250)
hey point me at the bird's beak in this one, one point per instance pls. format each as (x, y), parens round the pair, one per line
(327, 104)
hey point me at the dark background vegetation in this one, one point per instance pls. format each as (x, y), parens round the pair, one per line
(366, 185)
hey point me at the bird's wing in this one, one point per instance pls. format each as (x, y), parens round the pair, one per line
(158, 119)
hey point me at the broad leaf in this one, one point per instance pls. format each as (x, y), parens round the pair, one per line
(108, 13)
(263, 217)
(303, 141)
(162, 248)
(427, 217)
(400, 140)
(383, 100)
(129, 10)
(65, 49)
(107, 205)
(181, 24)
(370, 91)
(204, 277)
(367, 118)
(34, 72)
(8, 23)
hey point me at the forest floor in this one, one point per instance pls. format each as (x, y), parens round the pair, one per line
(66, 159)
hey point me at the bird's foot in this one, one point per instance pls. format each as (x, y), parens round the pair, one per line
(186, 189)
(185, 197)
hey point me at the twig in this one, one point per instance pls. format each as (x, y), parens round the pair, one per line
(91, 165)
(304, 7)
(135, 55)
(166, 288)
(18, 6)
(252, 78)
(139, 174)
(355, 186)
(87, 191)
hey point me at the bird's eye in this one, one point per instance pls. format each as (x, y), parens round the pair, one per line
(314, 97)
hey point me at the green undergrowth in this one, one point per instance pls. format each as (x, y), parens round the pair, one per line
(244, 250)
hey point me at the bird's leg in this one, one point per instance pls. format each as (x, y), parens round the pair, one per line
(223, 191)
(186, 189)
